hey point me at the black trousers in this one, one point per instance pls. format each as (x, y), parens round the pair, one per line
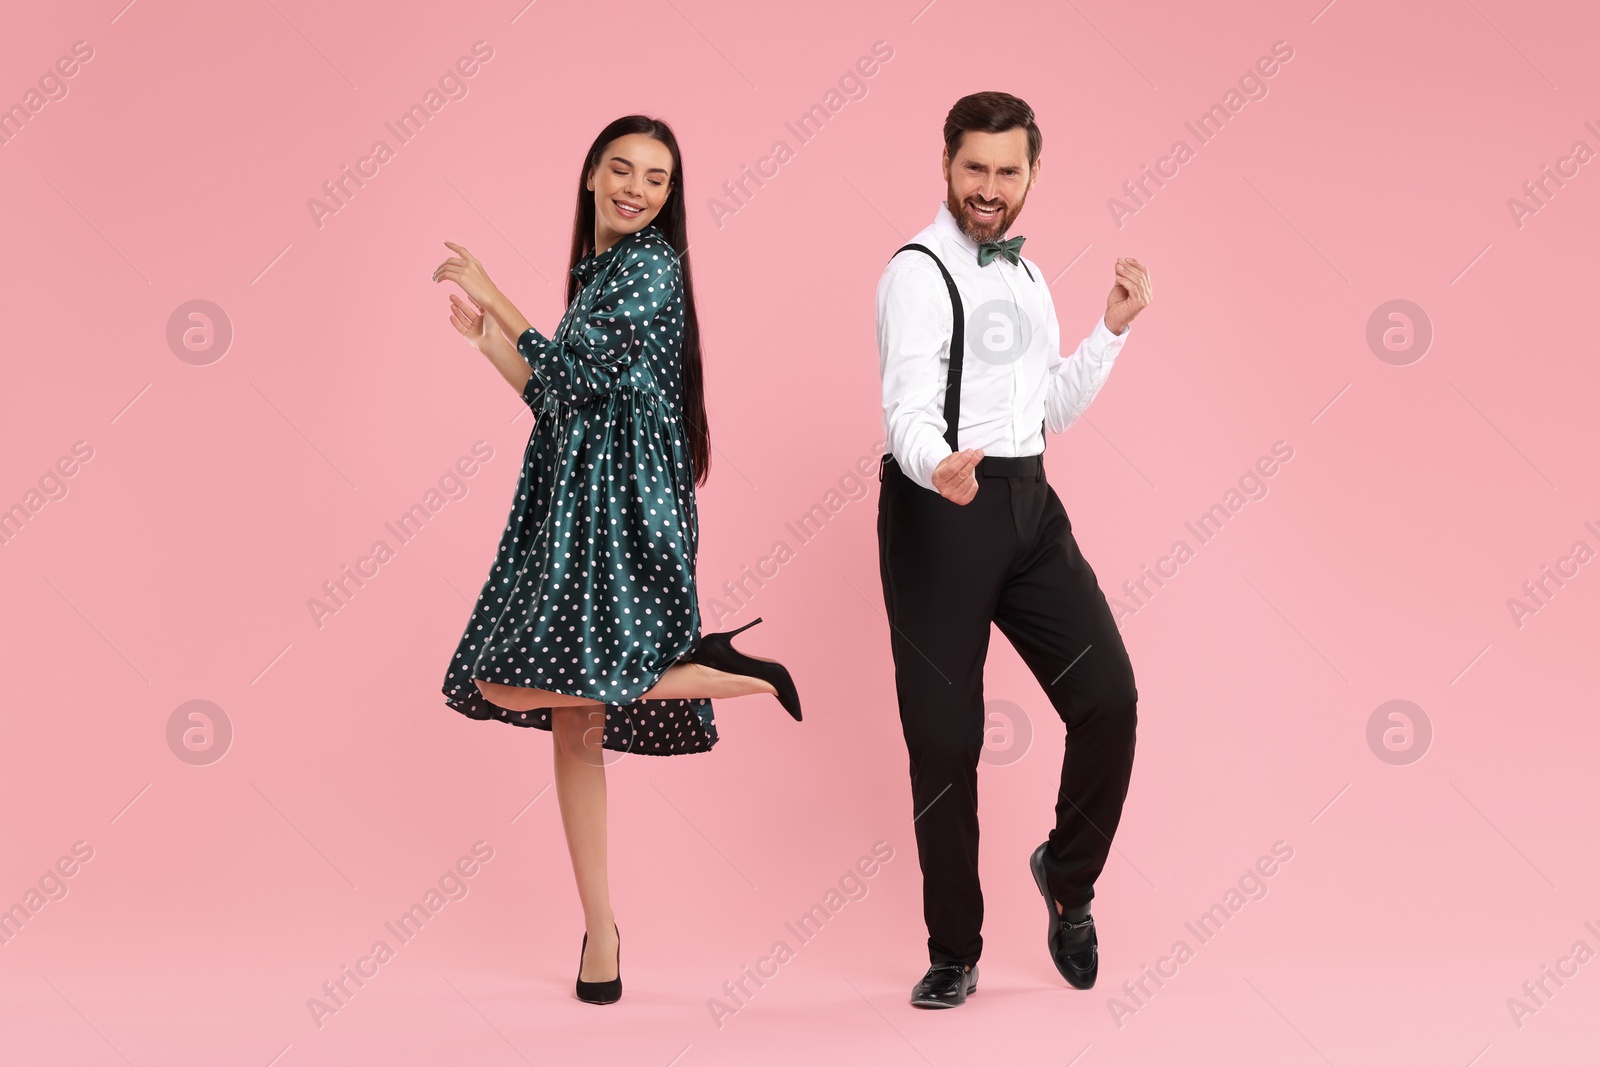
(1007, 557)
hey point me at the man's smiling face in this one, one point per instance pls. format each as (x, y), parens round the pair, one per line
(988, 181)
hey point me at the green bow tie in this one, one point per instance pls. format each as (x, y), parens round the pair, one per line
(1005, 249)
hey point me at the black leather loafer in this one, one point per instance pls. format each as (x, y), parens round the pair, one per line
(1074, 946)
(946, 985)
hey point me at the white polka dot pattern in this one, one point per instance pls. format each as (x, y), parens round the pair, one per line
(592, 592)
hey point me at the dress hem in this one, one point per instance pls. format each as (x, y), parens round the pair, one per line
(539, 722)
(619, 700)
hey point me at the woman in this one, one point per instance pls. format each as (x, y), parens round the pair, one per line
(588, 625)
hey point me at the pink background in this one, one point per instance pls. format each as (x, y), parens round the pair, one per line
(219, 497)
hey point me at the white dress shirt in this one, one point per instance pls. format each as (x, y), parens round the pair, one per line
(1014, 378)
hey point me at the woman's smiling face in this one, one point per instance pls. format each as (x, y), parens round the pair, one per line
(630, 185)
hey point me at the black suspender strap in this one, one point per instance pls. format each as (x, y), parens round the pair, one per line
(952, 388)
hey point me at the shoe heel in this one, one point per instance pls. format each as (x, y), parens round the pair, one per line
(742, 629)
(716, 650)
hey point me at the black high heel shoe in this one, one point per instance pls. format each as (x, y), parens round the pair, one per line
(717, 652)
(600, 992)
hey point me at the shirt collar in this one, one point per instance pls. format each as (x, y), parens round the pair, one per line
(947, 226)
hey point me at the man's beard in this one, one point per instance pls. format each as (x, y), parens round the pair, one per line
(980, 232)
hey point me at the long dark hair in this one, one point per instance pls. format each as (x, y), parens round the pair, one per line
(671, 221)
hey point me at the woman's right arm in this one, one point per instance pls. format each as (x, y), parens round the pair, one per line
(515, 369)
(484, 334)
(506, 359)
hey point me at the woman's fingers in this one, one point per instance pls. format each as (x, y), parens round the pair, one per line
(468, 321)
(464, 320)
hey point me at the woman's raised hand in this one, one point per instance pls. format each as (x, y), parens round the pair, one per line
(475, 324)
(464, 269)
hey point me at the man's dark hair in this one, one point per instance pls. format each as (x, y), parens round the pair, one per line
(991, 112)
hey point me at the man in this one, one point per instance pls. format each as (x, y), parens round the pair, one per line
(970, 532)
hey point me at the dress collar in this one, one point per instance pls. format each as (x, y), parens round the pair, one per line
(590, 264)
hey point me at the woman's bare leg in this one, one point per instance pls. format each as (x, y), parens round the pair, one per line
(580, 774)
(687, 681)
(682, 681)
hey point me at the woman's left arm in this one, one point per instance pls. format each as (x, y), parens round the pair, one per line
(593, 355)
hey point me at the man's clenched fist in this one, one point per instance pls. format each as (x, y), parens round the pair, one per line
(954, 477)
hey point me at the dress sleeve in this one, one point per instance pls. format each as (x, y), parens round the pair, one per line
(592, 356)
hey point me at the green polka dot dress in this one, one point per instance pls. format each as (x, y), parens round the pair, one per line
(592, 592)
